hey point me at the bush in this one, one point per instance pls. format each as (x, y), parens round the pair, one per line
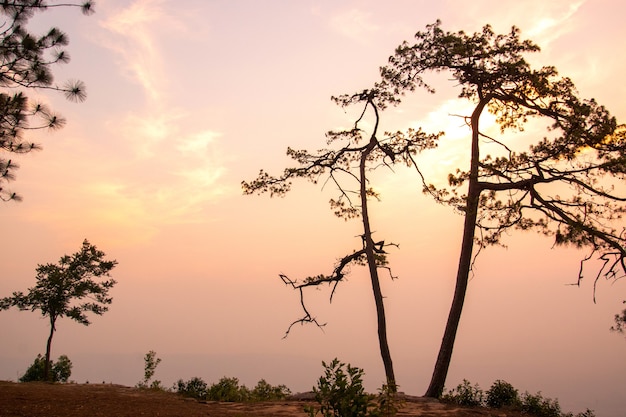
(58, 372)
(388, 402)
(464, 394)
(502, 394)
(194, 388)
(539, 406)
(340, 392)
(228, 389)
(266, 392)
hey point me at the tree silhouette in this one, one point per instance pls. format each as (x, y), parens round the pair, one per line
(568, 184)
(68, 289)
(26, 62)
(355, 158)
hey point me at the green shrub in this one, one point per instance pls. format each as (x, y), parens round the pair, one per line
(58, 372)
(388, 402)
(150, 363)
(502, 394)
(539, 406)
(228, 389)
(340, 392)
(464, 394)
(266, 392)
(194, 388)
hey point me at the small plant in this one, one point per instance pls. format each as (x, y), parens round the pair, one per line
(502, 394)
(539, 406)
(340, 392)
(194, 388)
(150, 363)
(464, 394)
(388, 401)
(59, 371)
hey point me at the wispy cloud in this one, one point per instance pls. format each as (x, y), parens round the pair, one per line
(554, 24)
(169, 165)
(132, 31)
(355, 24)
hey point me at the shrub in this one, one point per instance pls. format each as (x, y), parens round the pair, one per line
(150, 363)
(464, 394)
(59, 371)
(228, 389)
(539, 406)
(266, 392)
(340, 392)
(502, 394)
(194, 388)
(388, 402)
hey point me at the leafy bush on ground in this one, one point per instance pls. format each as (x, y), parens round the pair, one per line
(340, 393)
(464, 394)
(388, 402)
(539, 406)
(194, 388)
(58, 372)
(263, 391)
(502, 394)
(229, 390)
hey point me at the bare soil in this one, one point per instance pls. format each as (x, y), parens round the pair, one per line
(107, 400)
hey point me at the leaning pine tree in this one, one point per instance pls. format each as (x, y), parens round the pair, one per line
(357, 153)
(567, 183)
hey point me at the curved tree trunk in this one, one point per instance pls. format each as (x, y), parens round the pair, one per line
(435, 389)
(373, 270)
(438, 379)
(372, 264)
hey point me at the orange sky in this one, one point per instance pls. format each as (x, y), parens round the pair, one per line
(186, 99)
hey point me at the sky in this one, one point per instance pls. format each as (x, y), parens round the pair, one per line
(185, 99)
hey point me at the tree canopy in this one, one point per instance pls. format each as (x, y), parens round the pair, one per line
(26, 62)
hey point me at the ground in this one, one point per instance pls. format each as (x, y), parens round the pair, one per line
(107, 400)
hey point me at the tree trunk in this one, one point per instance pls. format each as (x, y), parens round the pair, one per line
(380, 314)
(373, 270)
(444, 357)
(46, 369)
(440, 372)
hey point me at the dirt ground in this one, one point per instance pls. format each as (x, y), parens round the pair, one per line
(107, 400)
